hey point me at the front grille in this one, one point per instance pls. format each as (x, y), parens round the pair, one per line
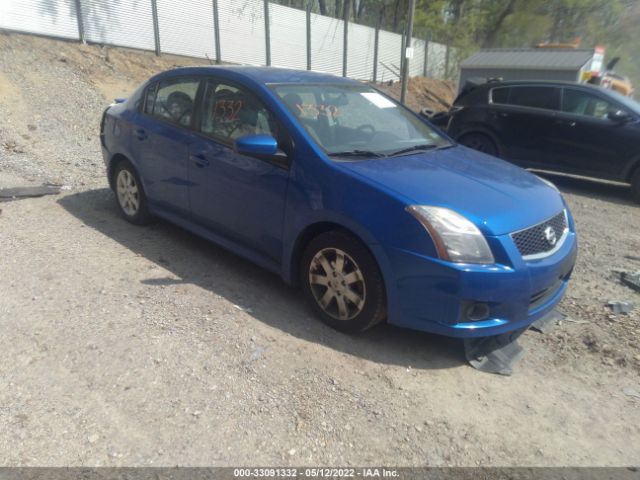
(538, 240)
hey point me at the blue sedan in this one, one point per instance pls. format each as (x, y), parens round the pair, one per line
(339, 189)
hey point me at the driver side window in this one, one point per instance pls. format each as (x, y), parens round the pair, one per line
(586, 104)
(230, 112)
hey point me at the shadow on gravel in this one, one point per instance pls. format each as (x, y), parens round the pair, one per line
(262, 294)
(601, 190)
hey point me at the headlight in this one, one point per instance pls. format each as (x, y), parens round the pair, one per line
(456, 238)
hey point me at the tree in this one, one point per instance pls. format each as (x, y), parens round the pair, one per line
(492, 33)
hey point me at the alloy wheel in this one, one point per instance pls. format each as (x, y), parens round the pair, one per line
(128, 193)
(337, 284)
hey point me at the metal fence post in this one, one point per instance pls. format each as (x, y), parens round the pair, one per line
(267, 33)
(403, 40)
(426, 57)
(80, 22)
(407, 58)
(446, 61)
(309, 35)
(216, 30)
(376, 43)
(347, 14)
(156, 29)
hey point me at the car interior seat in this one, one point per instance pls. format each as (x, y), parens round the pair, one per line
(180, 107)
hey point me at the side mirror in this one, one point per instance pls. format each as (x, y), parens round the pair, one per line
(256, 145)
(619, 116)
(261, 146)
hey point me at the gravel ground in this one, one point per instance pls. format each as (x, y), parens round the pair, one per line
(148, 346)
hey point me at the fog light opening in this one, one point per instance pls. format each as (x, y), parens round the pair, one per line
(477, 311)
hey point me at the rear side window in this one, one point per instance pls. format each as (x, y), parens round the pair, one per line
(547, 98)
(173, 100)
(585, 103)
(500, 95)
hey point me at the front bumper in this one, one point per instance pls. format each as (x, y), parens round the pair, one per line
(434, 296)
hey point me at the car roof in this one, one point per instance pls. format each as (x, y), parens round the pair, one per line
(550, 83)
(263, 75)
(612, 94)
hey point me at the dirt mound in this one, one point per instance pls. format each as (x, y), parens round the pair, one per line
(423, 92)
(114, 71)
(52, 94)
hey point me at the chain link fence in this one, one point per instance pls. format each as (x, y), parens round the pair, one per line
(254, 32)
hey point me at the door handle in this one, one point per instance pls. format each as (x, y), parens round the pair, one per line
(568, 123)
(200, 160)
(141, 134)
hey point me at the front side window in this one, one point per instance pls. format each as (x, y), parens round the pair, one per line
(547, 98)
(174, 100)
(585, 103)
(343, 118)
(231, 112)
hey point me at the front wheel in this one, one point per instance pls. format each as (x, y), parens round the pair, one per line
(480, 142)
(342, 282)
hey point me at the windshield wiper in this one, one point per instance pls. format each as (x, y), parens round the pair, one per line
(414, 148)
(356, 153)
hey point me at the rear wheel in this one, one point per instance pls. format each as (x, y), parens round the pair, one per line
(480, 142)
(130, 195)
(342, 282)
(635, 186)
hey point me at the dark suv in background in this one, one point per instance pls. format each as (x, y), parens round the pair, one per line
(555, 126)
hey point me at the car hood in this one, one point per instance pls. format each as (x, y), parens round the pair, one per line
(495, 195)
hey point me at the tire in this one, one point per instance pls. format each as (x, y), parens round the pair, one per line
(342, 282)
(480, 142)
(130, 196)
(635, 186)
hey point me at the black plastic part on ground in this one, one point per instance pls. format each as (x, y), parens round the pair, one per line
(546, 323)
(496, 354)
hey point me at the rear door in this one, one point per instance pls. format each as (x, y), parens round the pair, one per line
(587, 141)
(523, 117)
(160, 141)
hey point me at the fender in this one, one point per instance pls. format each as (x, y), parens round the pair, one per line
(631, 168)
(121, 121)
(293, 244)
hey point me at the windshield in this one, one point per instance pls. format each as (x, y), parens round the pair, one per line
(627, 102)
(357, 120)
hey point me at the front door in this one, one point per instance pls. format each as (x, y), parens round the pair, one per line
(237, 196)
(590, 143)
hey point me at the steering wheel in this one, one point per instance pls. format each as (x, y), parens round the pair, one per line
(367, 126)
